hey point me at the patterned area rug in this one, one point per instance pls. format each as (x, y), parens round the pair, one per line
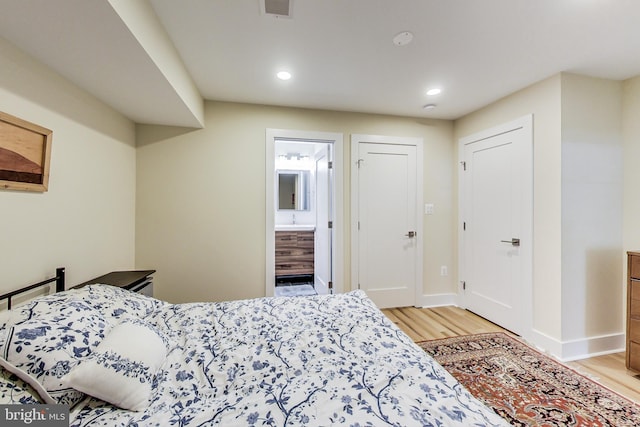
(526, 387)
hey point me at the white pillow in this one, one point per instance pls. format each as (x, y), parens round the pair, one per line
(122, 368)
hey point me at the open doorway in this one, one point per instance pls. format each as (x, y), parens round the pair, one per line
(303, 215)
(303, 193)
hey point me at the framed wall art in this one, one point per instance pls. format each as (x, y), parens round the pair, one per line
(25, 150)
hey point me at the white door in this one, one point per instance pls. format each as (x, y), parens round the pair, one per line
(496, 226)
(389, 268)
(323, 281)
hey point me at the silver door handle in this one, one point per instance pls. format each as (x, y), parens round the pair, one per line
(514, 241)
(411, 234)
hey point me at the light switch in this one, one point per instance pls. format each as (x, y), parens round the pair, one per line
(428, 209)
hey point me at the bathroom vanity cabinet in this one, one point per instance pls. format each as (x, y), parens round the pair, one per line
(294, 253)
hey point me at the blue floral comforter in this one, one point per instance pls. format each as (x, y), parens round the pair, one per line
(317, 361)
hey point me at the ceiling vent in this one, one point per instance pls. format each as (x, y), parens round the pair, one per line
(276, 8)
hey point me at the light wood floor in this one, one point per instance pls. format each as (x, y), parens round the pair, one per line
(440, 322)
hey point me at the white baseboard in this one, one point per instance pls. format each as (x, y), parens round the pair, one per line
(437, 300)
(564, 351)
(578, 349)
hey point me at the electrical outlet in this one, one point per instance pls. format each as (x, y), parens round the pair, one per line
(428, 209)
(444, 271)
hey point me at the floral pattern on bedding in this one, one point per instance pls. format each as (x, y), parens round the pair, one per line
(15, 391)
(47, 347)
(113, 303)
(119, 304)
(42, 339)
(323, 360)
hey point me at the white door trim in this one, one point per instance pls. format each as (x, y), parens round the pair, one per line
(338, 210)
(391, 140)
(526, 250)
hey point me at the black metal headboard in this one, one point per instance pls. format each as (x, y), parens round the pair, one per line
(59, 279)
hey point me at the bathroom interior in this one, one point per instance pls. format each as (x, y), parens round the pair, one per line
(303, 233)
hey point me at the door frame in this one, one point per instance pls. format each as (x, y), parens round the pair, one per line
(336, 139)
(355, 214)
(526, 249)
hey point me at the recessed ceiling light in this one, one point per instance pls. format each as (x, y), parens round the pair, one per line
(429, 106)
(284, 75)
(403, 38)
(434, 91)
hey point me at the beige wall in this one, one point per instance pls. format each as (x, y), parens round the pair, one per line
(631, 137)
(631, 191)
(201, 197)
(592, 281)
(85, 222)
(543, 101)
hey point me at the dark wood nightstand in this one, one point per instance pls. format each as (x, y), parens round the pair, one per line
(136, 281)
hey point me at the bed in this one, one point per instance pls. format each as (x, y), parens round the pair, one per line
(119, 358)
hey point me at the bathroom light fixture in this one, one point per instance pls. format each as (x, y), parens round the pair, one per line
(296, 156)
(284, 75)
(434, 91)
(429, 106)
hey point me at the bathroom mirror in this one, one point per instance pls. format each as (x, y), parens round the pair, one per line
(293, 190)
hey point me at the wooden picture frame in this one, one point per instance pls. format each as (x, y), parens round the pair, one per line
(25, 151)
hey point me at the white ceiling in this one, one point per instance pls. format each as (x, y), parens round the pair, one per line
(340, 52)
